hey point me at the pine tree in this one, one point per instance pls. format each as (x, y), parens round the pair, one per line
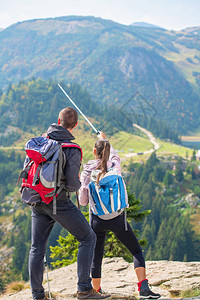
(25, 274)
(193, 158)
(158, 173)
(19, 253)
(168, 179)
(179, 174)
(66, 252)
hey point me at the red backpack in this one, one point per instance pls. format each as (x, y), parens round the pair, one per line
(43, 167)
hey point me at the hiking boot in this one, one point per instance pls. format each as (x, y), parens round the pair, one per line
(102, 291)
(91, 294)
(145, 292)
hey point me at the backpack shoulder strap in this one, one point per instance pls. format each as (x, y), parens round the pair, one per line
(72, 145)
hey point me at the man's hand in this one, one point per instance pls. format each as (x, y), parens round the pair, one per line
(101, 135)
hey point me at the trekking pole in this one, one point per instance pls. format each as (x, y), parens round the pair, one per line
(96, 131)
(45, 264)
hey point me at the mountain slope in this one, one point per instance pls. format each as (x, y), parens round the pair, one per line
(113, 61)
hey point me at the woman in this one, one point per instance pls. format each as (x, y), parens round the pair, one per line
(105, 158)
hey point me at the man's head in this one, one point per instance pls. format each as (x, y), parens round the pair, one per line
(68, 118)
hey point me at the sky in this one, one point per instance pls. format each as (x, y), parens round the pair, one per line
(169, 14)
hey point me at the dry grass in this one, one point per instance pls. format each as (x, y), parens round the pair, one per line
(195, 221)
(15, 287)
(190, 293)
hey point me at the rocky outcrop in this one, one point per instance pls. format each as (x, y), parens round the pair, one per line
(168, 278)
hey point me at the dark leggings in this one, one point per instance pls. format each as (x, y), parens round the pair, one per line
(128, 238)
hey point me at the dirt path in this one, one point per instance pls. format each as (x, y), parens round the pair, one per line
(151, 138)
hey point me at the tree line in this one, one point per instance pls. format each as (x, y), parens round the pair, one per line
(168, 229)
(36, 104)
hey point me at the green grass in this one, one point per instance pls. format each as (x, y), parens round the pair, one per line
(122, 141)
(180, 59)
(127, 142)
(167, 149)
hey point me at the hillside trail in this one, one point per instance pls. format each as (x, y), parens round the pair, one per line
(151, 138)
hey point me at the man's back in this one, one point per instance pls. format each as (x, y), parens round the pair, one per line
(73, 156)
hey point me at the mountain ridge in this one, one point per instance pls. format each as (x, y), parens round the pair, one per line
(112, 61)
(89, 17)
(145, 24)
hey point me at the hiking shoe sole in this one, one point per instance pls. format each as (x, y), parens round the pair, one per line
(91, 294)
(150, 297)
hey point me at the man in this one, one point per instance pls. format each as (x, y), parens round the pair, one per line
(67, 214)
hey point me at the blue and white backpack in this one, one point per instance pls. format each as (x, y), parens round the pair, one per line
(109, 195)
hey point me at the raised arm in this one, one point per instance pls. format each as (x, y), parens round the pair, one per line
(114, 159)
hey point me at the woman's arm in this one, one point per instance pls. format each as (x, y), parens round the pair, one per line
(84, 190)
(114, 159)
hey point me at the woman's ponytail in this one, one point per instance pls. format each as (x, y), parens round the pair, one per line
(103, 152)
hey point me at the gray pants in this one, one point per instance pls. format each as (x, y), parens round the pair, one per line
(70, 217)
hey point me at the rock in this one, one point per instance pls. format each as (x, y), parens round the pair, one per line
(192, 200)
(168, 278)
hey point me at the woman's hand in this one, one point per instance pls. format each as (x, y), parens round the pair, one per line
(101, 135)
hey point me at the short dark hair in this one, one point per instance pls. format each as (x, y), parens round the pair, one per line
(68, 117)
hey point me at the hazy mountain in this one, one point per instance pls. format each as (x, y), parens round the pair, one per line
(193, 30)
(151, 70)
(144, 24)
